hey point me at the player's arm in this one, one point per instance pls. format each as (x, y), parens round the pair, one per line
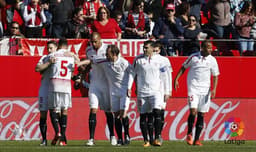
(215, 83)
(44, 66)
(176, 80)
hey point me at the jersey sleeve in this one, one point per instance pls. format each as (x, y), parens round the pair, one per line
(214, 68)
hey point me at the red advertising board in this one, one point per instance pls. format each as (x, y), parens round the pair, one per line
(237, 79)
(20, 120)
(37, 47)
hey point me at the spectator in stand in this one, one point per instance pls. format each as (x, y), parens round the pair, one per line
(136, 21)
(118, 17)
(77, 28)
(48, 15)
(183, 13)
(61, 13)
(2, 5)
(155, 7)
(14, 12)
(90, 9)
(169, 27)
(106, 26)
(195, 7)
(14, 36)
(191, 32)
(220, 17)
(151, 25)
(244, 21)
(34, 18)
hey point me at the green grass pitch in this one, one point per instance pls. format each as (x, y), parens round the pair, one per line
(135, 146)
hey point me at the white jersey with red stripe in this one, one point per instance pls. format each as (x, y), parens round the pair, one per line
(199, 75)
(61, 71)
(97, 76)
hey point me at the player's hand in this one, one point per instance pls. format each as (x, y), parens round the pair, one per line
(52, 60)
(129, 92)
(176, 84)
(166, 97)
(213, 93)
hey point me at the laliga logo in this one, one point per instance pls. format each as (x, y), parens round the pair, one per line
(234, 127)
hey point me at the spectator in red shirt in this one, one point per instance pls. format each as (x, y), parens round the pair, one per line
(106, 26)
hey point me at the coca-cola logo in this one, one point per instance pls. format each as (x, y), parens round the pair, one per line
(19, 120)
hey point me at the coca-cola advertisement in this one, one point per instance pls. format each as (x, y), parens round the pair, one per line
(228, 118)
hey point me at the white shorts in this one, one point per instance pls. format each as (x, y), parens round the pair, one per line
(99, 97)
(119, 103)
(147, 104)
(59, 100)
(43, 103)
(200, 102)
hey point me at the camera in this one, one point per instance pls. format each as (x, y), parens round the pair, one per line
(76, 77)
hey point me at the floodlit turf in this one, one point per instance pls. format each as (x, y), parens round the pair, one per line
(135, 146)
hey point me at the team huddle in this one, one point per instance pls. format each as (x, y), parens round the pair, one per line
(111, 80)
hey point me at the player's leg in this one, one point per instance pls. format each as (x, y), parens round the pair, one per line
(156, 103)
(190, 121)
(43, 127)
(125, 102)
(199, 127)
(150, 124)
(143, 109)
(110, 122)
(43, 107)
(193, 101)
(93, 103)
(118, 126)
(105, 104)
(203, 107)
(63, 126)
(54, 115)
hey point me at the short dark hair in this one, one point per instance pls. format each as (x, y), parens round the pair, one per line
(150, 42)
(205, 43)
(113, 49)
(158, 44)
(52, 42)
(63, 42)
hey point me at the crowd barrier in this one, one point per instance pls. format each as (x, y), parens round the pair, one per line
(19, 120)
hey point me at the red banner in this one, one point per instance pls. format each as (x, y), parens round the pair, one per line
(37, 47)
(20, 120)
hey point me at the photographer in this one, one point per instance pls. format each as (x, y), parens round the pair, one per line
(82, 80)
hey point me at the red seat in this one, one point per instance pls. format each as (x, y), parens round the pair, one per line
(235, 52)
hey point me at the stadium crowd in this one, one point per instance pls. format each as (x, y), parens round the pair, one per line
(178, 24)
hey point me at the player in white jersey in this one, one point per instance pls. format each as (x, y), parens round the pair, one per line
(43, 67)
(202, 66)
(147, 69)
(60, 89)
(98, 89)
(119, 74)
(166, 78)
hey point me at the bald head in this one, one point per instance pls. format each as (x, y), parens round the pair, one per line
(96, 40)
